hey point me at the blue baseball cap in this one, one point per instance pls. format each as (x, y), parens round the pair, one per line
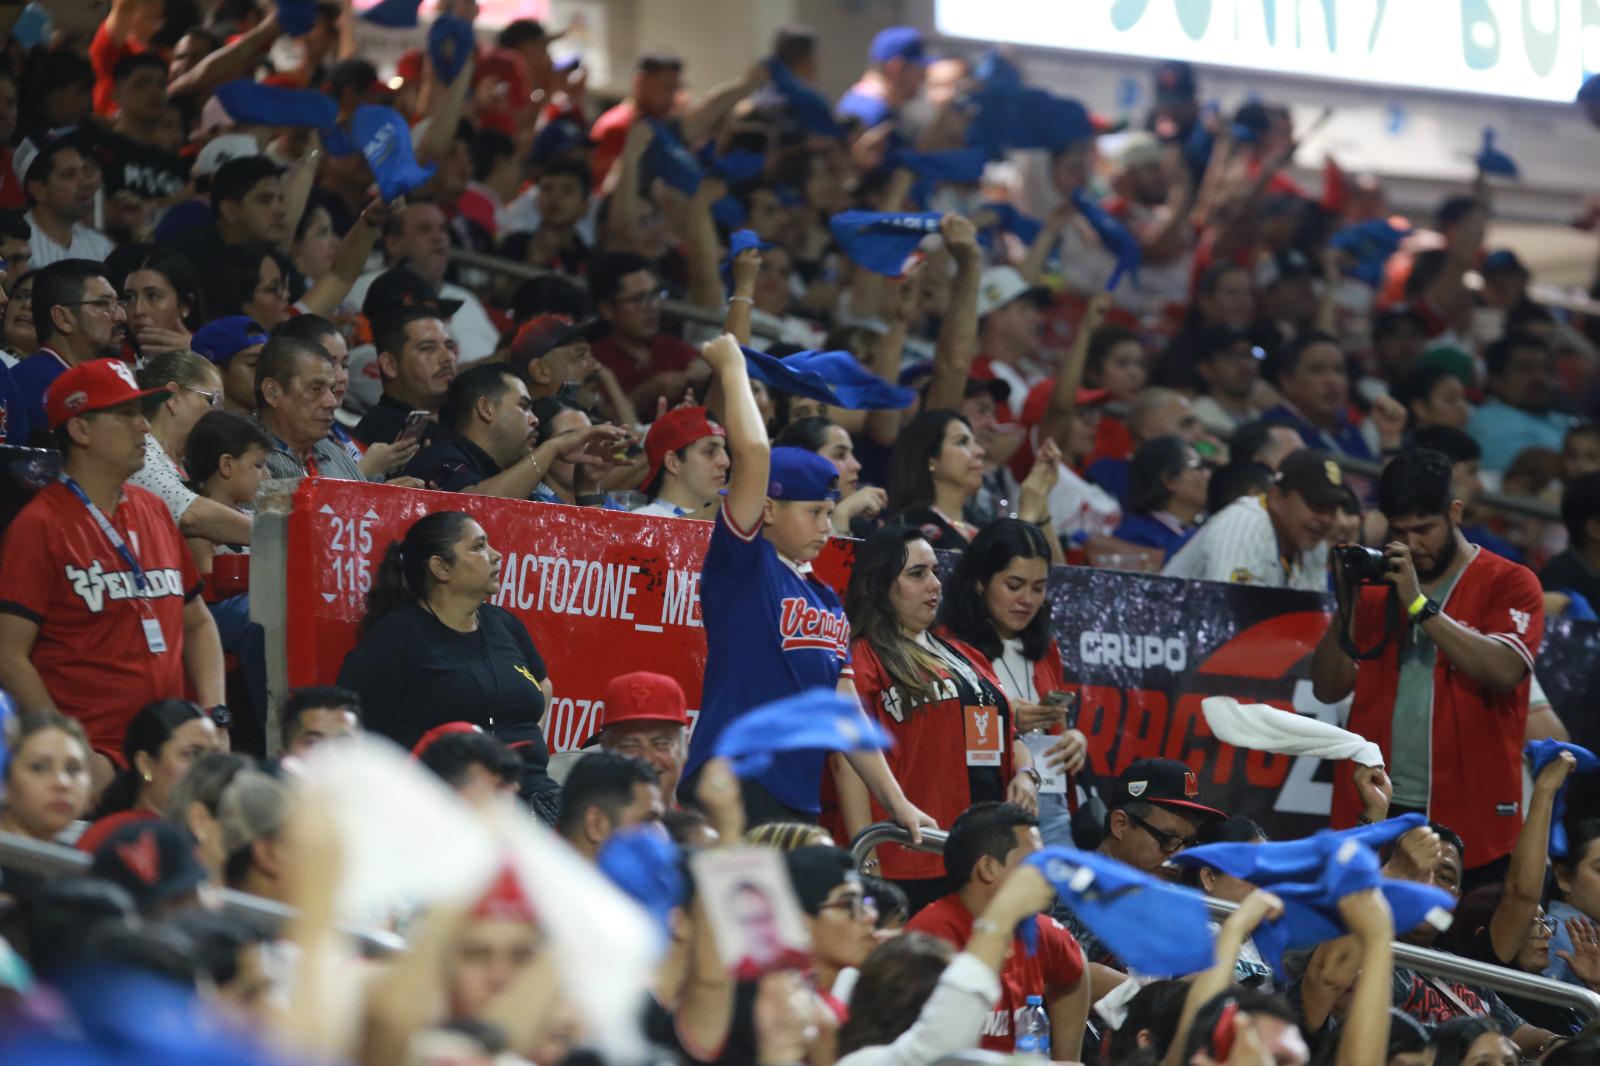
(898, 42)
(797, 474)
(221, 340)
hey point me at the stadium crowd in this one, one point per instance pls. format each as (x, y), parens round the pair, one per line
(793, 318)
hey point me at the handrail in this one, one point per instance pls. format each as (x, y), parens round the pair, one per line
(1426, 960)
(261, 915)
(1520, 505)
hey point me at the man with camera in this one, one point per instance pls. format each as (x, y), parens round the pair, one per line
(1436, 638)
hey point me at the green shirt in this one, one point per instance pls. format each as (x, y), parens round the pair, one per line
(1411, 734)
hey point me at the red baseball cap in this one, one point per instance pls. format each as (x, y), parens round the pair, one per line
(93, 386)
(1038, 400)
(427, 740)
(641, 697)
(678, 428)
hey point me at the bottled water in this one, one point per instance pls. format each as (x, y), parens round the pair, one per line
(1033, 1029)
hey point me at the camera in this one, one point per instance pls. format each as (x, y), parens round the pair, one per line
(1362, 565)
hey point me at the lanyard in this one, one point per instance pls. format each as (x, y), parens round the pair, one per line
(110, 532)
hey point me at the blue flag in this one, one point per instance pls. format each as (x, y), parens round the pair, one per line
(669, 160)
(816, 720)
(1113, 235)
(1540, 754)
(809, 107)
(251, 103)
(385, 140)
(297, 17)
(450, 45)
(1157, 928)
(647, 866)
(1492, 160)
(832, 377)
(396, 14)
(882, 241)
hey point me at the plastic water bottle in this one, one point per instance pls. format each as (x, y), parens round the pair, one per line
(1033, 1029)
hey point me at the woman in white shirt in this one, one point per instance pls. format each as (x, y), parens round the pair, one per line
(998, 603)
(914, 1004)
(195, 387)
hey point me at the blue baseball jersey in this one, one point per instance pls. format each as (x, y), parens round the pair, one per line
(771, 632)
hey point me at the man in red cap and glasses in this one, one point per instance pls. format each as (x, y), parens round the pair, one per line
(100, 609)
(643, 716)
(688, 456)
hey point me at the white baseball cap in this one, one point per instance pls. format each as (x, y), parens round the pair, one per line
(28, 151)
(223, 149)
(1001, 285)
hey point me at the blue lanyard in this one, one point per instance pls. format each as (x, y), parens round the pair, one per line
(111, 533)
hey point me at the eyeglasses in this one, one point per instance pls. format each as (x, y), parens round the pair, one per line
(1169, 843)
(861, 908)
(643, 298)
(1546, 924)
(213, 396)
(105, 305)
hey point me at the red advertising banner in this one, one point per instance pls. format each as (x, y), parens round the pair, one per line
(601, 592)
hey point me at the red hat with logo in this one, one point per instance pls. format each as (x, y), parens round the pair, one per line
(1038, 400)
(94, 386)
(505, 900)
(678, 428)
(641, 697)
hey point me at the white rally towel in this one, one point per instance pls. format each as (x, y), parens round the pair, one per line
(1260, 727)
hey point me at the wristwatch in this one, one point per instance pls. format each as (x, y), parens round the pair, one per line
(1429, 610)
(1035, 777)
(220, 716)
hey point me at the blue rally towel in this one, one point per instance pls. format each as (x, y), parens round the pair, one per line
(1540, 753)
(809, 107)
(1313, 874)
(385, 140)
(250, 103)
(645, 864)
(1010, 220)
(1370, 244)
(1113, 235)
(450, 45)
(1159, 929)
(957, 164)
(741, 240)
(882, 241)
(297, 17)
(1492, 160)
(832, 377)
(396, 14)
(815, 720)
(669, 160)
(8, 711)
(736, 168)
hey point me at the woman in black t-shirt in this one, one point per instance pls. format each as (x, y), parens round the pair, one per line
(937, 467)
(433, 650)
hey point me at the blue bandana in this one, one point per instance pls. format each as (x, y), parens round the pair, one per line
(1540, 754)
(385, 140)
(450, 45)
(817, 720)
(1113, 235)
(250, 103)
(1492, 160)
(809, 108)
(645, 864)
(396, 14)
(1157, 928)
(832, 377)
(882, 241)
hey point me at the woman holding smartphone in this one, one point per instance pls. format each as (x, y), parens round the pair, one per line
(996, 603)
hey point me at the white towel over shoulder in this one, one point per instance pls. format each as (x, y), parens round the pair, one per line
(1263, 728)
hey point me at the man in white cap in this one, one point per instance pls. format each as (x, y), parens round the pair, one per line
(1010, 332)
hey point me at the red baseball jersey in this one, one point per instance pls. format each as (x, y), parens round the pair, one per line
(1475, 777)
(59, 571)
(1051, 970)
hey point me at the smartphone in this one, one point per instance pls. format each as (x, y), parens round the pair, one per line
(416, 422)
(1064, 697)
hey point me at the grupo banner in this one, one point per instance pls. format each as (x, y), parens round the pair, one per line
(604, 592)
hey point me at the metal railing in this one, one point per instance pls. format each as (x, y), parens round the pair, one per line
(1424, 960)
(262, 915)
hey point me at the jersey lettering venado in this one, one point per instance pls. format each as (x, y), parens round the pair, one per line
(58, 570)
(771, 632)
